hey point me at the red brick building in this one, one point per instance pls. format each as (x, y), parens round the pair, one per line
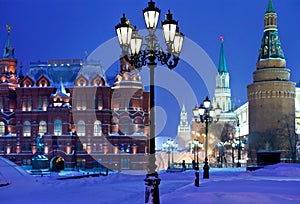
(84, 122)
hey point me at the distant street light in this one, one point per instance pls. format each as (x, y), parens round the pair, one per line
(195, 145)
(240, 145)
(140, 54)
(206, 114)
(170, 146)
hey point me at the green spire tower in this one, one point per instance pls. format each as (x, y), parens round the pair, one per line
(222, 97)
(271, 96)
(222, 61)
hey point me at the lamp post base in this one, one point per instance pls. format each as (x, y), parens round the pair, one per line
(152, 191)
(197, 177)
(238, 164)
(206, 170)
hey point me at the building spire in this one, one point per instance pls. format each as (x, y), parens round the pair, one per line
(8, 50)
(270, 8)
(222, 61)
(270, 46)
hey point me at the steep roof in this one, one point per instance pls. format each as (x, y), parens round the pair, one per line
(9, 51)
(222, 61)
(270, 8)
(68, 72)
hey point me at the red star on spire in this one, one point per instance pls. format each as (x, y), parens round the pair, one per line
(222, 38)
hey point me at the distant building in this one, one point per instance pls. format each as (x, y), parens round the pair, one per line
(84, 122)
(222, 96)
(184, 136)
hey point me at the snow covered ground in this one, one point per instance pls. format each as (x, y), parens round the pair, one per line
(278, 183)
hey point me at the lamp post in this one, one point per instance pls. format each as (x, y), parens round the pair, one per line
(233, 146)
(220, 147)
(239, 143)
(196, 144)
(170, 146)
(140, 54)
(206, 114)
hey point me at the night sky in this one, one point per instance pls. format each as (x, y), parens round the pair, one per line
(61, 29)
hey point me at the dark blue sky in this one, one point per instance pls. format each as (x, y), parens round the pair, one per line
(59, 29)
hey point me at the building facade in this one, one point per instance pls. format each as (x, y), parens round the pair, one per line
(84, 121)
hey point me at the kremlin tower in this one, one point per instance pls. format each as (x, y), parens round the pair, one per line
(271, 96)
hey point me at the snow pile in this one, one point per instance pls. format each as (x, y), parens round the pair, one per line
(278, 183)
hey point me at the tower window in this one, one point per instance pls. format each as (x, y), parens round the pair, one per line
(2, 128)
(57, 127)
(27, 129)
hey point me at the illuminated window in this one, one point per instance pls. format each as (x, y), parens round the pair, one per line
(45, 103)
(2, 128)
(26, 103)
(1, 103)
(81, 128)
(98, 103)
(27, 129)
(42, 128)
(57, 127)
(97, 128)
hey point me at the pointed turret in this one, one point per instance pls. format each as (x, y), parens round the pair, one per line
(183, 109)
(270, 8)
(61, 98)
(270, 46)
(61, 91)
(8, 50)
(222, 61)
(8, 64)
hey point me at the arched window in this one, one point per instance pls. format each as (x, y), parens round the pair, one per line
(81, 128)
(2, 128)
(97, 128)
(27, 129)
(57, 127)
(42, 128)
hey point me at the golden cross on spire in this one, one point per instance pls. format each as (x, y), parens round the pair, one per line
(8, 28)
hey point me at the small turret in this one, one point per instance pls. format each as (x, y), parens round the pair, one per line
(222, 61)
(270, 45)
(9, 51)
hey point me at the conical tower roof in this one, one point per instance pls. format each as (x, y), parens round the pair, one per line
(222, 61)
(270, 8)
(8, 50)
(270, 44)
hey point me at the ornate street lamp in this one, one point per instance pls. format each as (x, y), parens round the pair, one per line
(170, 146)
(239, 146)
(196, 144)
(140, 54)
(206, 114)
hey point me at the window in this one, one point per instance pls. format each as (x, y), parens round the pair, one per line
(98, 103)
(2, 128)
(81, 103)
(97, 128)
(45, 103)
(42, 128)
(81, 128)
(40, 103)
(27, 103)
(125, 163)
(27, 129)
(57, 127)
(1, 104)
